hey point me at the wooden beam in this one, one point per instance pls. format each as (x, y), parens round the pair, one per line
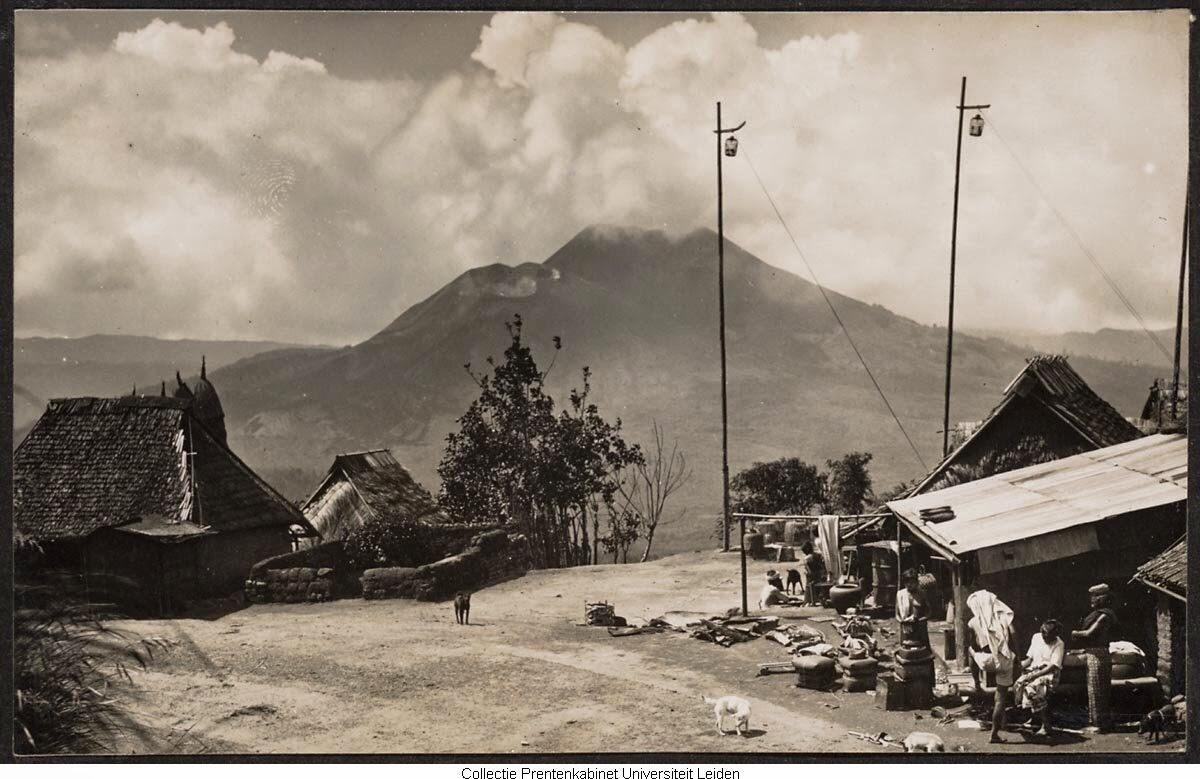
(961, 644)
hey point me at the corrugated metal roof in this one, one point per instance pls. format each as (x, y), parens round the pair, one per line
(1040, 499)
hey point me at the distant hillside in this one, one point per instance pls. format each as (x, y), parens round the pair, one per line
(112, 364)
(107, 365)
(1131, 346)
(640, 309)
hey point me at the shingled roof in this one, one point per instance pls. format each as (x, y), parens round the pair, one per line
(1168, 571)
(1052, 382)
(92, 463)
(378, 483)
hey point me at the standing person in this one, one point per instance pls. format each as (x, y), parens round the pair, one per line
(1098, 628)
(990, 630)
(912, 611)
(814, 565)
(802, 566)
(1043, 668)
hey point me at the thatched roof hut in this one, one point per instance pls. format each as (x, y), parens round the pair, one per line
(1048, 403)
(360, 485)
(108, 483)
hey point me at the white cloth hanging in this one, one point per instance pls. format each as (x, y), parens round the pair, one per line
(828, 538)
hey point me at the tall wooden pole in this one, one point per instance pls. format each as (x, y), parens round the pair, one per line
(1179, 307)
(724, 397)
(962, 102)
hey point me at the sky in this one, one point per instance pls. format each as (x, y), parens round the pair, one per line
(308, 176)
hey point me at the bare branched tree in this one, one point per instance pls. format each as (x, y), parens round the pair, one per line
(646, 486)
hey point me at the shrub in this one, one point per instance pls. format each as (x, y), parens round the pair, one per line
(381, 543)
(65, 660)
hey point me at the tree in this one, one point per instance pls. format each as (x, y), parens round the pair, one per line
(649, 483)
(784, 486)
(849, 483)
(624, 528)
(514, 460)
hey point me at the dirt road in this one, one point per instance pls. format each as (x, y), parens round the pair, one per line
(401, 677)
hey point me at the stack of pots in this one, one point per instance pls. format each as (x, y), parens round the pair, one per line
(753, 543)
(815, 672)
(858, 675)
(795, 532)
(914, 668)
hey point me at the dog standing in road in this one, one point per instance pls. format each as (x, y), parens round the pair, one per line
(793, 580)
(462, 608)
(733, 706)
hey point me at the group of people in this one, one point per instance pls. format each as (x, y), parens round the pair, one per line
(811, 570)
(991, 641)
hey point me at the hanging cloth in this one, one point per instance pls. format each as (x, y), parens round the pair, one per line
(828, 537)
(995, 618)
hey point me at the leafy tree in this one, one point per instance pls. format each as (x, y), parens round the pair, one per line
(849, 483)
(513, 459)
(784, 486)
(624, 528)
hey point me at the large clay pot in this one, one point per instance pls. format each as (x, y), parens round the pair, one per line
(844, 596)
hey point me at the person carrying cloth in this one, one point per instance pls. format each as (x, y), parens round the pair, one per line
(1043, 665)
(990, 627)
(1091, 641)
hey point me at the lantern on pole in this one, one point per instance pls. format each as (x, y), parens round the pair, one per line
(731, 144)
(976, 125)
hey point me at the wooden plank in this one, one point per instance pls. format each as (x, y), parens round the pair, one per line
(1039, 549)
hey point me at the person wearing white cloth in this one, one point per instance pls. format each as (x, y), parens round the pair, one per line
(991, 650)
(1043, 667)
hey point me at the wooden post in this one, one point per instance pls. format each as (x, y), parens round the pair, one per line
(724, 393)
(745, 602)
(961, 644)
(953, 250)
(1179, 315)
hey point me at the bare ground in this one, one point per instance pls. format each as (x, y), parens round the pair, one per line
(401, 677)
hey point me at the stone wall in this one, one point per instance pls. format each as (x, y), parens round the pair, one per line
(1171, 645)
(490, 557)
(291, 585)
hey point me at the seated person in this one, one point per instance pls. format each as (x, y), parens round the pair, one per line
(771, 595)
(774, 579)
(1043, 667)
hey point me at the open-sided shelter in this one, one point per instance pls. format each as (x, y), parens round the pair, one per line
(1039, 536)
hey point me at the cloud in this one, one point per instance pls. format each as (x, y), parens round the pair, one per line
(173, 183)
